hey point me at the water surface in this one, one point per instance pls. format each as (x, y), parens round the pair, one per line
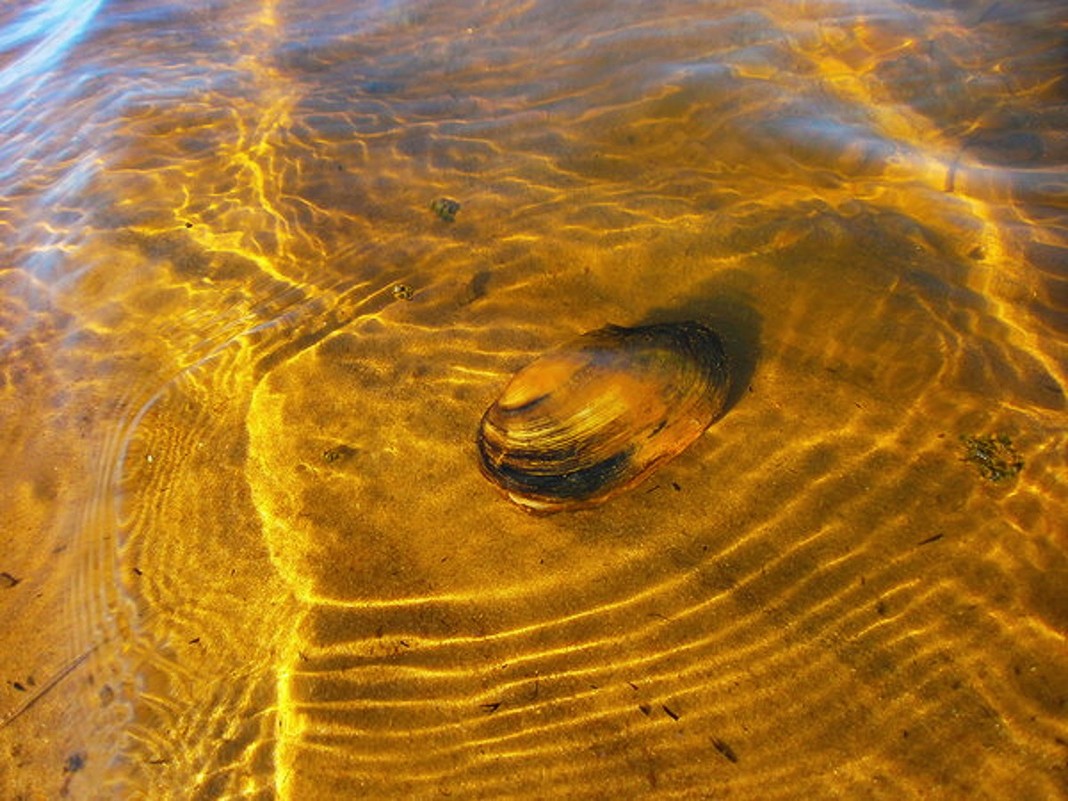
(247, 551)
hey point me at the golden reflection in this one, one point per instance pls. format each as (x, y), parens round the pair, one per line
(249, 333)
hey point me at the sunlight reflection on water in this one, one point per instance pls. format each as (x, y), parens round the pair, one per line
(44, 35)
(250, 550)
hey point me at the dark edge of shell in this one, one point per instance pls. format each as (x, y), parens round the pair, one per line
(556, 488)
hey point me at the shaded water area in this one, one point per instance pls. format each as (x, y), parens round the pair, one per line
(246, 549)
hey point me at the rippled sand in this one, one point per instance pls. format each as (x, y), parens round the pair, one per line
(248, 551)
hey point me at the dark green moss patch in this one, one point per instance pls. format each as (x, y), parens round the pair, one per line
(994, 456)
(338, 453)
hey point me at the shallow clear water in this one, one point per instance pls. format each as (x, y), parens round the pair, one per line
(247, 550)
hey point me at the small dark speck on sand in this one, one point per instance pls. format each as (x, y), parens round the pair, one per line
(7, 581)
(725, 749)
(445, 208)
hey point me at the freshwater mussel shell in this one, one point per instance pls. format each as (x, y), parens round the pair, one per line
(597, 415)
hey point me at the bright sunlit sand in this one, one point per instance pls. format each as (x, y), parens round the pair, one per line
(266, 264)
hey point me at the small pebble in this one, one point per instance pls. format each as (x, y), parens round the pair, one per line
(445, 208)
